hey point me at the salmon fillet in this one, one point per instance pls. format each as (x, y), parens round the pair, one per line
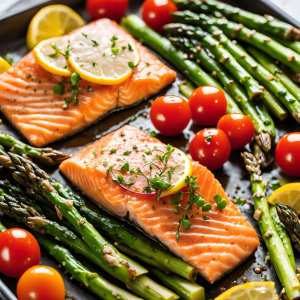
(28, 102)
(214, 246)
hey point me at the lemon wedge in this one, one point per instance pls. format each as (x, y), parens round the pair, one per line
(55, 62)
(255, 290)
(101, 58)
(180, 173)
(52, 21)
(4, 65)
(288, 194)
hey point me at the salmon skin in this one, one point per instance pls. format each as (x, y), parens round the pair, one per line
(28, 102)
(214, 245)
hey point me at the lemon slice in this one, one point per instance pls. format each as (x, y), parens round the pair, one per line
(4, 65)
(99, 57)
(255, 290)
(52, 21)
(180, 173)
(46, 58)
(288, 194)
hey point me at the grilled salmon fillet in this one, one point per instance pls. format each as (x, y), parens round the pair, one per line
(214, 246)
(28, 102)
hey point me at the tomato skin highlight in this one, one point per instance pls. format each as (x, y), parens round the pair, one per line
(170, 115)
(238, 128)
(210, 152)
(19, 251)
(156, 13)
(208, 104)
(112, 9)
(287, 154)
(41, 283)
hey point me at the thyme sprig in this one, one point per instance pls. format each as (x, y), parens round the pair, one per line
(59, 51)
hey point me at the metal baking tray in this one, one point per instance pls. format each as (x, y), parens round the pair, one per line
(13, 27)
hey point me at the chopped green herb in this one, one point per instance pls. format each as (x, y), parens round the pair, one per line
(274, 184)
(65, 66)
(59, 51)
(68, 101)
(113, 150)
(103, 54)
(153, 133)
(131, 65)
(147, 64)
(148, 73)
(125, 167)
(94, 152)
(134, 147)
(85, 35)
(104, 163)
(240, 201)
(130, 48)
(89, 89)
(186, 224)
(102, 151)
(8, 57)
(94, 64)
(122, 134)
(208, 139)
(115, 51)
(133, 118)
(95, 43)
(127, 152)
(206, 217)
(113, 39)
(75, 79)
(28, 75)
(124, 47)
(221, 203)
(58, 89)
(148, 152)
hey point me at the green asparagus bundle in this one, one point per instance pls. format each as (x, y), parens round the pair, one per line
(104, 222)
(27, 215)
(269, 64)
(289, 217)
(262, 120)
(267, 24)
(138, 28)
(99, 286)
(277, 251)
(47, 156)
(222, 55)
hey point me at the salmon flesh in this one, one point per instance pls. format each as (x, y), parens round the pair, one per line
(216, 242)
(28, 102)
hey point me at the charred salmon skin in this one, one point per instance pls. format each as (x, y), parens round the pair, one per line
(216, 242)
(27, 99)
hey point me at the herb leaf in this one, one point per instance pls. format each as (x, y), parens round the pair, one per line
(58, 89)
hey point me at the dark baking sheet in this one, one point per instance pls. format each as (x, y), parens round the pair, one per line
(231, 175)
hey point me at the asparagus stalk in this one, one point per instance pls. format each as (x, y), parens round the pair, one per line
(186, 88)
(283, 234)
(263, 159)
(267, 24)
(32, 175)
(283, 54)
(2, 227)
(185, 289)
(222, 55)
(47, 156)
(294, 45)
(138, 28)
(115, 229)
(260, 117)
(289, 218)
(273, 242)
(256, 70)
(269, 64)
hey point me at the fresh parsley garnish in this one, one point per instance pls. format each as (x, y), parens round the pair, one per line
(131, 65)
(75, 89)
(85, 35)
(94, 64)
(148, 152)
(134, 147)
(113, 150)
(59, 51)
(133, 118)
(89, 89)
(153, 133)
(8, 57)
(221, 203)
(94, 152)
(147, 64)
(58, 89)
(240, 201)
(114, 50)
(28, 75)
(124, 47)
(95, 43)
(127, 152)
(206, 218)
(130, 48)
(274, 184)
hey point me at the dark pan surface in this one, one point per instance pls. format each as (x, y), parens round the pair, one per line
(231, 175)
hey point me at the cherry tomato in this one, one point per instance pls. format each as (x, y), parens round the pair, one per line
(19, 251)
(170, 115)
(41, 283)
(112, 9)
(287, 154)
(211, 148)
(238, 128)
(208, 104)
(156, 13)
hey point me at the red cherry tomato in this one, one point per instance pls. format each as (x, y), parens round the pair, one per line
(170, 115)
(41, 283)
(211, 148)
(19, 251)
(287, 154)
(112, 9)
(156, 13)
(208, 104)
(238, 128)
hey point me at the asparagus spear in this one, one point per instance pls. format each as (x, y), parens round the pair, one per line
(283, 54)
(47, 156)
(283, 234)
(186, 88)
(185, 289)
(256, 70)
(273, 242)
(138, 28)
(2, 227)
(289, 218)
(269, 64)
(222, 55)
(117, 230)
(32, 175)
(267, 24)
(294, 45)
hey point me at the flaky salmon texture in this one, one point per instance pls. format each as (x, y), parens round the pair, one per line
(214, 246)
(28, 102)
